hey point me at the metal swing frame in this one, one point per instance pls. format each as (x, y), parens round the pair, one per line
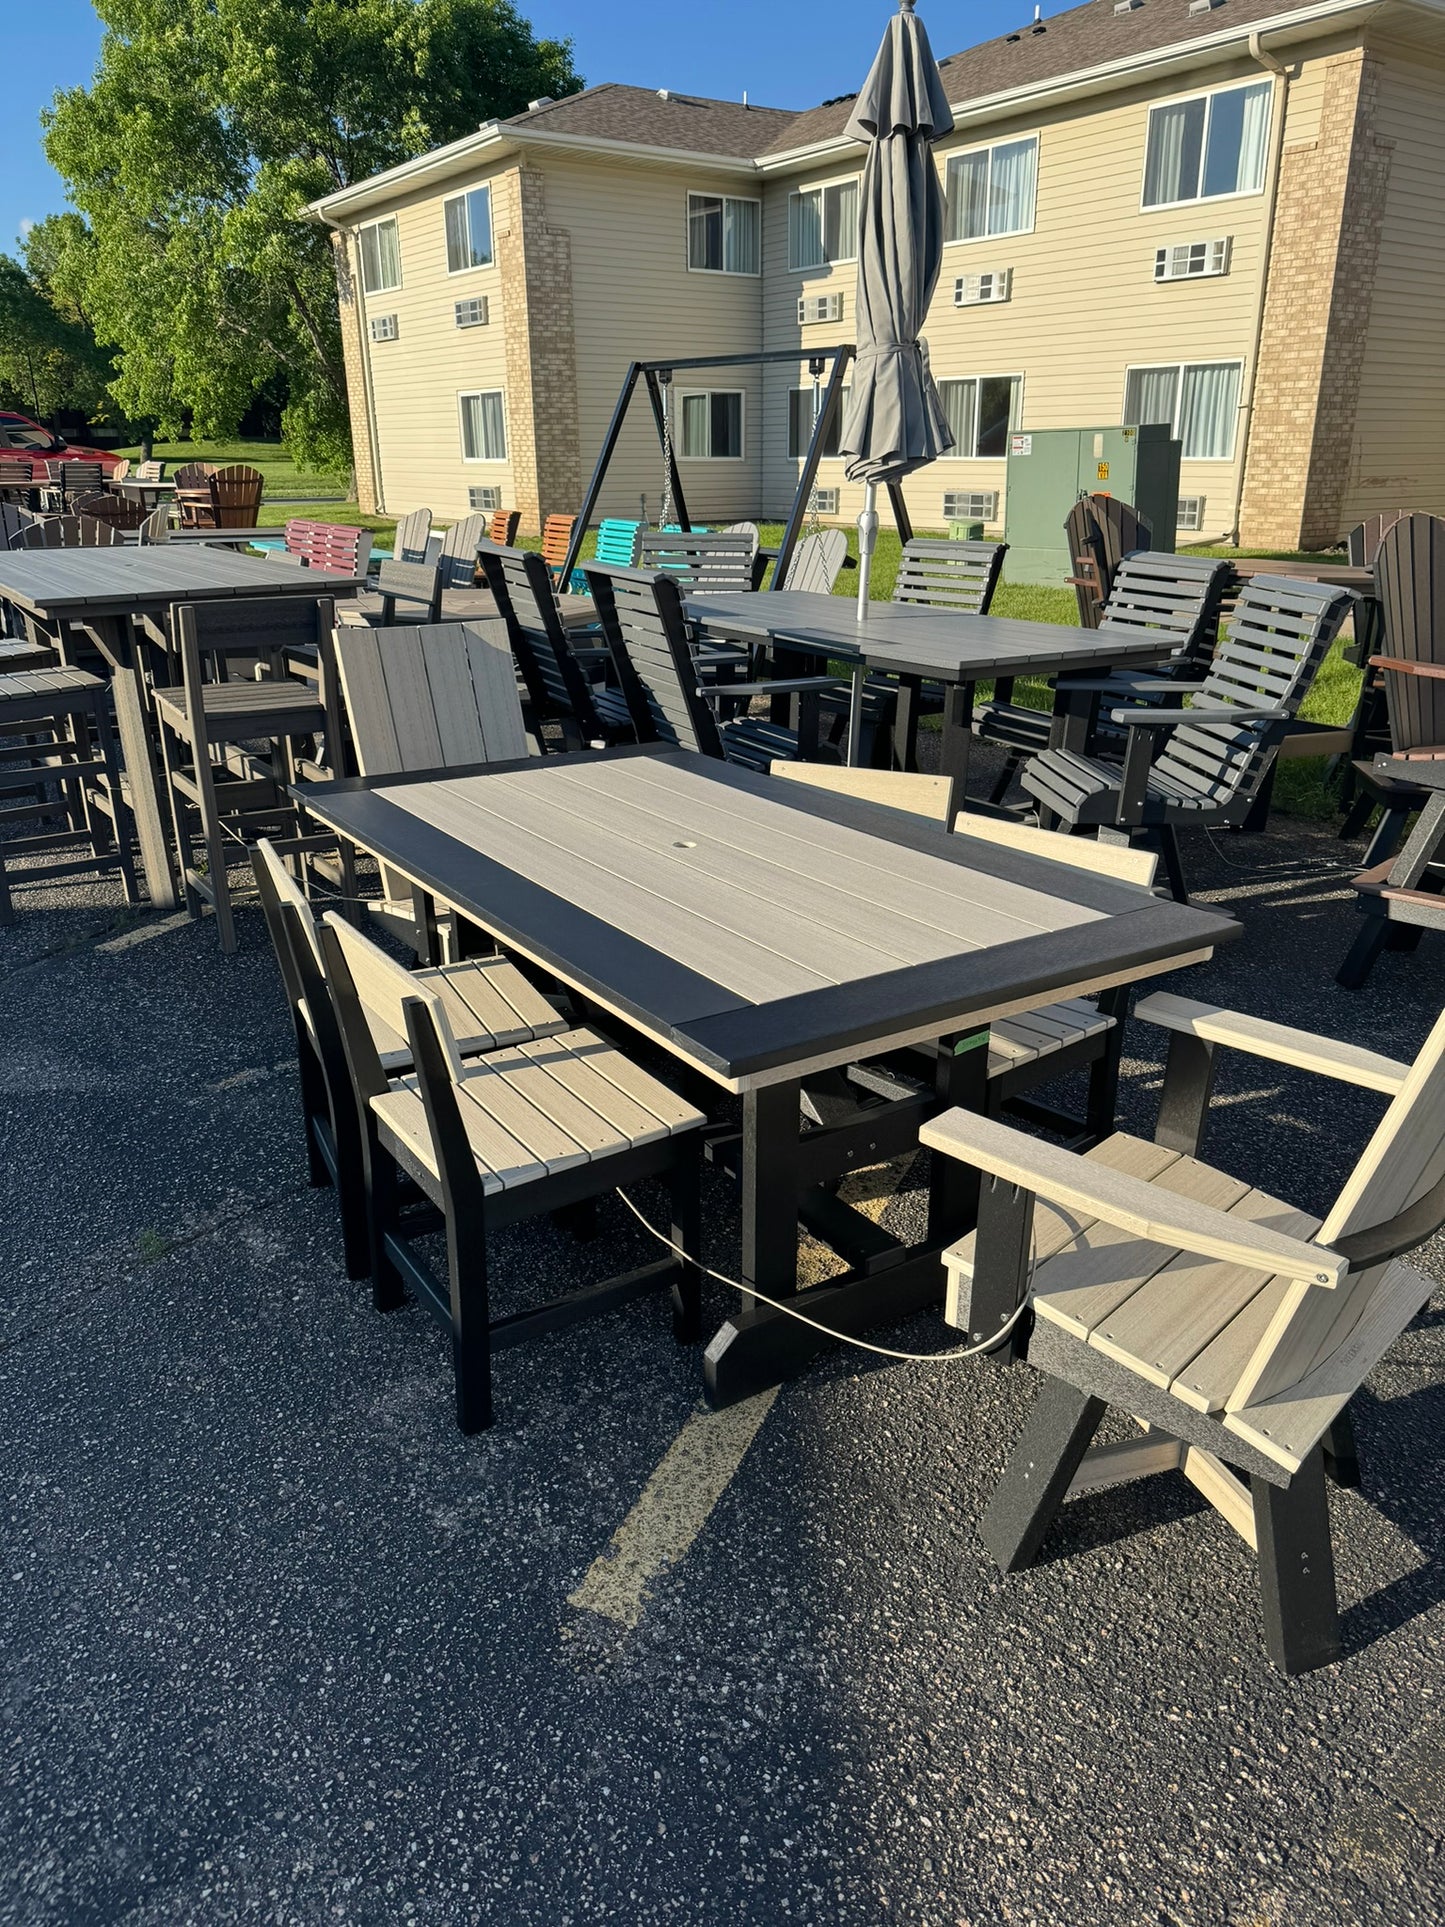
(655, 374)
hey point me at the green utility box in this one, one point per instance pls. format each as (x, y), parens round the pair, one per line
(1050, 468)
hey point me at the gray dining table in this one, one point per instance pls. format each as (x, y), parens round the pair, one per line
(762, 935)
(115, 596)
(918, 643)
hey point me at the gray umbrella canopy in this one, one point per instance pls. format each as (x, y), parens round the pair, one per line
(895, 422)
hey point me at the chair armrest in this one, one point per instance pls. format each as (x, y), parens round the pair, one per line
(782, 686)
(1279, 1043)
(1147, 1210)
(1176, 718)
(1435, 670)
(1111, 684)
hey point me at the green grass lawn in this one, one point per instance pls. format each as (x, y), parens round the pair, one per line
(283, 477)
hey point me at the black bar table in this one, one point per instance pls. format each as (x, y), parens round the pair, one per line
(761, 933)
(109, 593)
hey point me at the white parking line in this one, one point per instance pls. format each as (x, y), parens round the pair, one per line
(672, 1509)
(143, 934)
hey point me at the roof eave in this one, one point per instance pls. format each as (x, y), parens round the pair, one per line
(1297, 23)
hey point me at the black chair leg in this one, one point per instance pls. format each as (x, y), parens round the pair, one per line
(1342, 1460)
(383, 1213)
(1037, 1478)
(1297, 1569)
(1386, 840)
(1101, 1104)
(1360, 959)
(314, 1109)
(1005, 781)
(471, 1320)
(1357, 815)
(1173, 868)
(685, 1195)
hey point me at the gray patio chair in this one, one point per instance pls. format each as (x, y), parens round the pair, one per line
(556, 673)
(410, 540)
(1231, 1326)
(1201, 766)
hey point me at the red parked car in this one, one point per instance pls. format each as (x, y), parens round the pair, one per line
(26, 441)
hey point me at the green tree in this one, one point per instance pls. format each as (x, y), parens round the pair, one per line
(48, 357)
(208, 126)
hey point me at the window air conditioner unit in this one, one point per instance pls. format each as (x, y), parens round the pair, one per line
(1191, 512)
(820, 307)
(1190, 260)
(473, 313)
(964, 505)
(824, 501)
(969, 290)
(384, 328)
(484, 498)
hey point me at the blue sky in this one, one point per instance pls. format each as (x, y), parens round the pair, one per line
(791, 56)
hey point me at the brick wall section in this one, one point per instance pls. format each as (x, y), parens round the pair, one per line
(353, 351)
(536, 270)
(1321, 278)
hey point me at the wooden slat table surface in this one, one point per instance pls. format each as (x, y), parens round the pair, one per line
(750, 929)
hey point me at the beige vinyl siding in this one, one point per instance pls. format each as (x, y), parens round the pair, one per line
(416, 379)
(634, 299)
(1085, 306)
(1398, 456)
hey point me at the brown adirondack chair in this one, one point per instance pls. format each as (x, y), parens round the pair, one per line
(502, 529)
(1101, 531)
(70, 532)
(119, 510)
(1235, 1328)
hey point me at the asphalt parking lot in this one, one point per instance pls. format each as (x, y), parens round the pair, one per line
(280, 1646)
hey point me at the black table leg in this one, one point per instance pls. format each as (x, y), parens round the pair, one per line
(957, 742)
(905, 723)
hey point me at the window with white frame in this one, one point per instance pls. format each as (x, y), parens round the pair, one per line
(469, 230)
(724, 235)
(823, 225)
(711, 425)
(800, 424)
(1207, 147)
(1199, 401)
(991, 190)
(981, 410)
(380, 256)
(484, 426)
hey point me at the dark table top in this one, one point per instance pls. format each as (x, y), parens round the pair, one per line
(1420, 774)
(81, 583)
(753, 928)
(909, 638)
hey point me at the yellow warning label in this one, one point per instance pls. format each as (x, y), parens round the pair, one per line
(1101, 469)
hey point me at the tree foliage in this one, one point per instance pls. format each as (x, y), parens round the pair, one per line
(208, 126)
(48, 356)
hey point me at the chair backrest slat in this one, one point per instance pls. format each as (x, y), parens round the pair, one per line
(236, 492)
(329, 545)
(1270, 653)
(409, 542)
(522, 589)
(1410, 585)
(192, 474)
(642, 618)
(14, 521)
(617, 543)
(398, 581)
(556, 539)
(70, 532)
(951, 575)
(78, 478)
(502, 529)
(152, 471)
(713, 563)
(818, 561)
(382, 985)
(1362, 544)
(1100, 531)
(1180, 594)
(15, 474)
(458, 559)
(156, 527)
(119, 510)
(430, 696)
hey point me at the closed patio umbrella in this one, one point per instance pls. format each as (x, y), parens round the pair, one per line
(895, 421)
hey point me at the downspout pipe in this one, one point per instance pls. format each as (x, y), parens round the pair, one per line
(1259, 53)
(353, 268)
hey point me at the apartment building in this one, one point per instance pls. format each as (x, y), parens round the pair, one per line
(1222, 214)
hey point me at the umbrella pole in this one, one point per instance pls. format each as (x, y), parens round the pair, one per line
(867, 542)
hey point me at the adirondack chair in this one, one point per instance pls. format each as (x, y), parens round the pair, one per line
(818, 561)
(617, 544)
(156, 527)
(1235, 1327)
(70, 532)
(152, 471)
(1217, 754)
(232, 499)
(410, 541)
(435, 696)
(556, 540)
(1179, 595)
(119, 510)
(71, 480)
(14, 520)
(328, 545)
(1363, 541)
(711, 563)
(1037, 1046)
(193, 490)
(1101, 530)
(502, 529)
(558, 685)
(944, 575)
(493, 1005)
(120, 473)
(224, 793)
(17, 483)
(1409, 568)
(527, 1130)
(416, 585)
(645, 628)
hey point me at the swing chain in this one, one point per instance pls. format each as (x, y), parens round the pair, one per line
(665, 512)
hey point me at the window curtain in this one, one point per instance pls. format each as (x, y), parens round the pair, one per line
(479, 226)
(1011, 187)
(1151, 395)
(704, 231)
(805, 230)
(695, 420)
(1208, 406)
(840, 222)
(390, 252)
(960, 407)
(1171, 165)
(1254, 133)
(966, 211)
(484, 427)
(457, 252)
(741, 252)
